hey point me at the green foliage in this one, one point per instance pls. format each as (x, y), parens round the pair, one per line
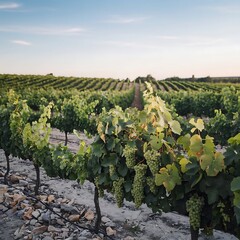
(230, 99)
(18, 119)
(200, 103)
(73, 114)
(220, 127)
(36, 136)
(67, 164)
(223, 126)
(139, 156)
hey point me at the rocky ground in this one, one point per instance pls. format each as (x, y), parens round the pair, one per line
(64, 208)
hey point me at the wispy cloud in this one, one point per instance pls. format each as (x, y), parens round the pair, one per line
(125, 20)
(9, 6)
(44, 31)
(21, 42)
(58, 31)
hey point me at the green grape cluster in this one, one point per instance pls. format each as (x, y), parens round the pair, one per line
(224, 214)
(112, 170)
(151, 157)
(194, 207)
(118, 190)
(96, 181)
(151, 184)
(138, 184)
(100, 190)
(129, 153)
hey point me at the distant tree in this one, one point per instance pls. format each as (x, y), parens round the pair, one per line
(148, 78)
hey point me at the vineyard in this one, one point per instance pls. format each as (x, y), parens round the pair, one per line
(50, 81)
(179, 151)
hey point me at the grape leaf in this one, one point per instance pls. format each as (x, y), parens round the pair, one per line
(235, 185)
(212, 164)
(175, 126)
(183, 162)
(196, 144)
(156, 141)
(237, 214)
(185, 141)
(123, 170)
(234, 140)
(209, 146)
(199, 124)
(168, 177)
(236, 200)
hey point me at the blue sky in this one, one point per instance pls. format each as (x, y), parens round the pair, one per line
(120, 38)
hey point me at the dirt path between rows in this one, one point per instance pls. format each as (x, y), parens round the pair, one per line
(137, 101)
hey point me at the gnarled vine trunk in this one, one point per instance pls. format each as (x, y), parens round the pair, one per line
(36, 188)
(8, 167)
(194, 233)
(66, 138)
(98, 210)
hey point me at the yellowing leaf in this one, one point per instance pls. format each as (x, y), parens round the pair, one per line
(175, 126)
(193, 130)
(159, 129)
(102, 136)
(212, 163)
(199, 124)
(205, 161)
(156, 141)
(234, 140)
(168, 177)
(183, 162)
(196, 144)
(209, 146)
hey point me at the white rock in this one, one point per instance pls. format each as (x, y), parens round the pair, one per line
(36, 214)
(105, 219)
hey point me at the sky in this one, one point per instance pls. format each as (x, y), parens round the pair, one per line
(120, 38)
